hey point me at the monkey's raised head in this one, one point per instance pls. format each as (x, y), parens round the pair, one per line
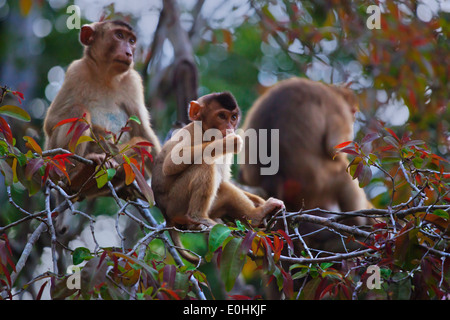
(111, 44)
(217, 110)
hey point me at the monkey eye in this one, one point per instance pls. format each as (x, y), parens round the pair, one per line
(234, 117)
(132, 40)
(222, 116)
(119, 35)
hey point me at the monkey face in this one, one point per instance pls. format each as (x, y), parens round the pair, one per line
(123, 44)
(215, 116)
(112, 43)
(224, 120)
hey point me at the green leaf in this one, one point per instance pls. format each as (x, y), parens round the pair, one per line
(441, 213)
(418, 162)
(80, 254)
(231, 262)
(84, 139)
(400, 288)
(217, 236)
(101, 179)
(110, 173)
(240, 226)
(325, 265)
(135, 119)
(15, 112)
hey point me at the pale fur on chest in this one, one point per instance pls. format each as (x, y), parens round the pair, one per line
(111, 117)
(222, 169)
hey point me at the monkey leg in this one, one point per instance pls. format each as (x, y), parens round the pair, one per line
(349, 195)
(202, 193)
(232, 201)
(352, 198)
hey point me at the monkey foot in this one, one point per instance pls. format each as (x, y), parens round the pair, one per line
(203, 225)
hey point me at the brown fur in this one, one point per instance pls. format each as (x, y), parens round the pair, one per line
(104, 85)
(312, 118)
(191, 195)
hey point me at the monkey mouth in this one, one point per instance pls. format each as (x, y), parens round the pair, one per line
(125, 62)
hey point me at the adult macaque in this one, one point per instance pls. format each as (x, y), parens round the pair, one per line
(104, 86)
(311, 118)
(191, 180)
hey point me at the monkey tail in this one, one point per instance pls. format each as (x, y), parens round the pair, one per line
(181, 249)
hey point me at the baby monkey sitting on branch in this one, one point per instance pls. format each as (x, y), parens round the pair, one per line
(191, 177)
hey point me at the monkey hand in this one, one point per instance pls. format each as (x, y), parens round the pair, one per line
(275, 203)
(99, 158)
(234, 140)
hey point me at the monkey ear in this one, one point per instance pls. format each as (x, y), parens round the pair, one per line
(194, 110)
(87, 35)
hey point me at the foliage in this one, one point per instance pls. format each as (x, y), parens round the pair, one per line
(408, 243)
(407, 246)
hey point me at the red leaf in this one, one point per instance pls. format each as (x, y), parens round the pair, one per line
(65, 121)
(19, 96)
(434, 156)
(390, 147)
(144, 144)
(370, 137)
(343, 144)
(350, 150)
(239, 297)
(62, 156)
(47, 172)
(358, 170)
(326, 290)
(125, 129)
(129, 174)
(380, 225)
(346, 291)
(173, 294)
(268, 241)
(62, 168)
(247, 242)
(102, 257)
(41, 290)
(6, 273)
(143, 185)
(287, 238)
(79, 130)
(169, 275)
(392, 133)
(288, 284)
(278, 246)
(5, 128)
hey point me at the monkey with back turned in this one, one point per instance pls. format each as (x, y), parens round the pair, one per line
(312, 118)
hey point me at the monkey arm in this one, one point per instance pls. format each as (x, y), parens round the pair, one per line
(257, 201)
(181, 156)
